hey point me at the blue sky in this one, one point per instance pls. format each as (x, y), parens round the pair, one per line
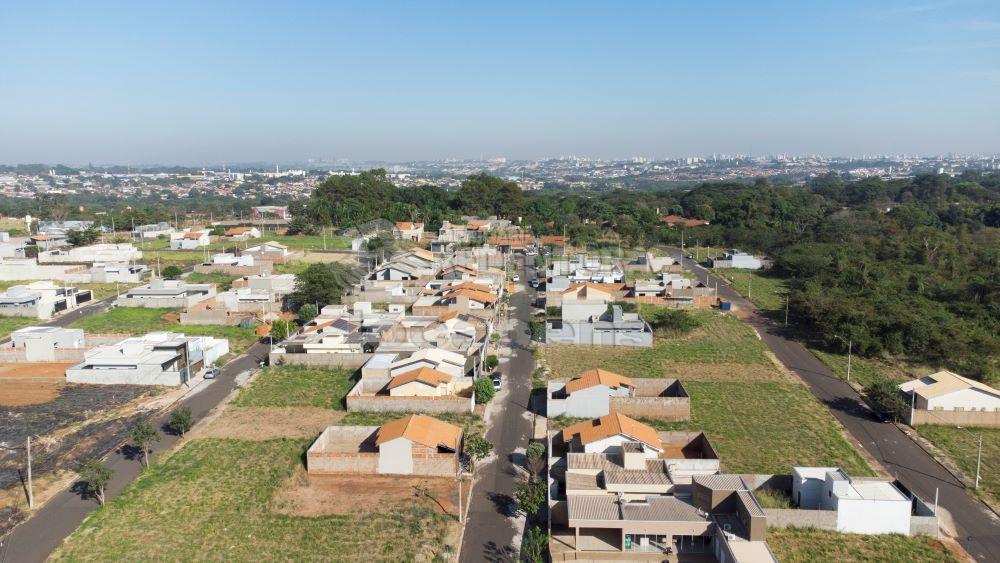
(208, 82)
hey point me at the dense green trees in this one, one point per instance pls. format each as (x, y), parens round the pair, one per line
(321, 285)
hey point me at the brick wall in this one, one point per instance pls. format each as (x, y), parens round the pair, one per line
(351, 361)
(664, 408)
(319, 463)
(383, 403)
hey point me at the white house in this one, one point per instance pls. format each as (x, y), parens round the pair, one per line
(158, 358)
(402, 441)
(444, 361)
(407, 230)
(947, 391)
(40, 343)
(166, 293)
(189, 240)
(125, 252)
(155, 230)
(41, 299)
(608, 433)
(733, 258)
(862, 506)
(242, 233)
(589, 394)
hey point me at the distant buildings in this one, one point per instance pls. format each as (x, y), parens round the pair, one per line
(189, 240)
(41, 300)
(152, 231)
(158, 358)
(125, 252)
(161, 293)
(741, 260)
(408, 231)
(948, 398)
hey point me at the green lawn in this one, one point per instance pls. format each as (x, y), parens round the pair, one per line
(138, 321)
(298, 386)
(865, 371)
(470, 422)
(213, 499)
(313, 242)
(719, 340)
(793, 545)
(180, 258)
(767, 427)
(766, 289)
(222, 280)
(962, 446)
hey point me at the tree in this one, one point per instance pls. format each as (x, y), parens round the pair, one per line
(535, 454)
(529, 495)
(491, 362)
(307, 313)
(484, 390)
(143, 435)
(97, 476)
(321, 285)
(171, 272)
(83, 238)
(280, 329)
(534, 545)
(477, 447)
(181, 420)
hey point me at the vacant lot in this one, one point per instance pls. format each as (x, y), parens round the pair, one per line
(319, 495)
(720, 340)
(793, 545)
(297, 386)
(30, 383)
(216, 498)
(268, 423)
(962, 446)
(222, 280)
(10, 324)
(766, 290)
(767, 427)
(139, 321)
(865, 370)
(159, 259)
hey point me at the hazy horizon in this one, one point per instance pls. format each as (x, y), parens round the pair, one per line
(185, 84)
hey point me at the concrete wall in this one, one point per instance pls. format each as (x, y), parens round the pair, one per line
(396, 457)
(584, 334)
(50, 355)
(801, 518)
(350, 360)
(319, 463)
(956, 418)
(256, 269)
(382, 403)
(123, 377)
(664, 408)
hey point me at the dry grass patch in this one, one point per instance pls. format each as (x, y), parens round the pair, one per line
(792, 545)
(748, 373)
(322, 495)
(268, 423)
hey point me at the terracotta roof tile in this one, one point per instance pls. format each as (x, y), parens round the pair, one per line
(421, 429)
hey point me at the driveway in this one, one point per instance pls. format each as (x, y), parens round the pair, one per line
(978, 527)
(36, 538)
(491, 528)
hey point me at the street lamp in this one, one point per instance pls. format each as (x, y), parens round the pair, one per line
(979, 458)
(850, 344)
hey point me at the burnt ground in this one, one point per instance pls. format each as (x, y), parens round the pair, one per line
(52, 446)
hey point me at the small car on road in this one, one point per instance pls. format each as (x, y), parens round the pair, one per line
(497, 382)
(212, 373)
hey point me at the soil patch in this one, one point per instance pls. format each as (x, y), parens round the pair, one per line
(268, 423)
(322, 495)
(31, 383)
(34, 370)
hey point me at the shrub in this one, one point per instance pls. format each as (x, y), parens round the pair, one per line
(491, 362)
(181, 420)
(171, 272)
(484, 390)
(307, 313)
(671, 320)
(885, 394)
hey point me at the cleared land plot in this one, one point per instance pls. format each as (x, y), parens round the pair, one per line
(767, 427)
(217, 497)
(138, 321)
(792, 545)
(222, 280)
(297, 386)
(962, 446)
(181, 258)
(321, 495)
(865, 370)
(719, 340)
(31, 383)
(268, 423)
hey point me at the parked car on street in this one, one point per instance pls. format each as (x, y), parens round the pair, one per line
(212, 373)
(496, 381)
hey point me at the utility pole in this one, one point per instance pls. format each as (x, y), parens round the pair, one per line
(786, 310)
(749, 279)
(31, 493)
(979, 460)
(459, 477)
(850, 343)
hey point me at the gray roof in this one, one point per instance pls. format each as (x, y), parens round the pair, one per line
(652, 509)
(721, 482)
(752, 506)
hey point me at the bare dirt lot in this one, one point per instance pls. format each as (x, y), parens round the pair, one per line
(30, 383)
(268, 423)
(363, 494)
(721, 372)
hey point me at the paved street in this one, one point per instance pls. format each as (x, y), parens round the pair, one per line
(490, 531)
(978, 527)
(35, 539)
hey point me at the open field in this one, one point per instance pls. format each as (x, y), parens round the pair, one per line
(180, 258)
(297, 386)
(720, 339)
(320, 495)
(268, 423)
(867, 370)
(767, 427)
(766, 289)
(962, 446)
(139, 321)
(792, 545)
(219, 497)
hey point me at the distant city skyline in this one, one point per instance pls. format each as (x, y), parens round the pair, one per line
(183, 83)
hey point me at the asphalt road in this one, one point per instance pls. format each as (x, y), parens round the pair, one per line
(36, 538)
(491, 528)
(977, 526)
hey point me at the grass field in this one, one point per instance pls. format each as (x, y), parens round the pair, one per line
(10, 324)
(767, 427)
(180, 258)
(865, 371)
(139, 321)
(793, 545)
(719, 340)
(215, 499)
(222, 280)
(766, 290)
(297, 386)
(962, 446)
